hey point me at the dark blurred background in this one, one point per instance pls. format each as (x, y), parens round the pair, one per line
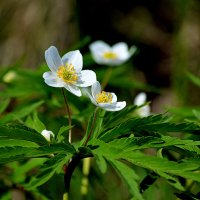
(166, 33)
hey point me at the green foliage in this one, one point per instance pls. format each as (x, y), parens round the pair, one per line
(146, 153)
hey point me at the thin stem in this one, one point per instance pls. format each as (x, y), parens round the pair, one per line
(69, 115)
(106, 78)
(92, 127)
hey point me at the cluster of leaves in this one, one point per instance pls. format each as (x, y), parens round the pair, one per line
(142, 151)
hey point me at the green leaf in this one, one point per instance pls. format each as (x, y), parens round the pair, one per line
(4, 104)
(101, 163)
(15, 142)
(129, 176)
(21, 132)
(63, 133)
(47, 170)
(113, 119)
(136, 143)
(152, 125)
(18, 114)
(184, 169)
(171, 180)
(35, 123)
(9, 154)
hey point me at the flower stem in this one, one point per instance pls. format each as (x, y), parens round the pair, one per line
(92, 126)
(69, 115)
(106, 78)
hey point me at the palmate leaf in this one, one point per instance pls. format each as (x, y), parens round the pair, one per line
(152, 125)
(112, 119)
(136, 143)
(171, 180)
(47, 170)
(184, 169)
(165, 168)
(20, 132)
(129, 176)
(14, 153)
(101, 163)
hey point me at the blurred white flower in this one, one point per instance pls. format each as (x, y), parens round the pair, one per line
(47, 134)
(105, 100)
(102, 53)
(66, 71)
(139, 100)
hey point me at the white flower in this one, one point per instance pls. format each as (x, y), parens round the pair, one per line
(66, 71)
(105, 100)
(102, 53)
(139, 100)
(47, 134)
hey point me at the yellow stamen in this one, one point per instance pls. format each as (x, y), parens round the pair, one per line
(67, 73)
(104, 97)
(110, 55)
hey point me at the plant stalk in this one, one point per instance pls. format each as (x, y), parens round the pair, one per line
(92, 127)
(69, 115)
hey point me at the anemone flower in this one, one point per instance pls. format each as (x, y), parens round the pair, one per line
(67, 71)
(104, 54)
(104, 100)
(139, 100)
(47, 134)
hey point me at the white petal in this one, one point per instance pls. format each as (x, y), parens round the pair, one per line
(53, 58)
(144, 111)
(99, 47)
(73, 89)
(121, 49)
(86, 78)
(87, 91)
(114, 98)
(96, 89)
(113, 106)
(75, 58)
(140, 99)
(51, 79)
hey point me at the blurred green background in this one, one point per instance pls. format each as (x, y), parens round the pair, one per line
(166, 32)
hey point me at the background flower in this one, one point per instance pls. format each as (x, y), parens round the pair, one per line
(139, 100)
(102, 53)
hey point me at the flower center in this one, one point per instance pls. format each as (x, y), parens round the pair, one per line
(104, 97)
(67, 73)
(110, 55)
